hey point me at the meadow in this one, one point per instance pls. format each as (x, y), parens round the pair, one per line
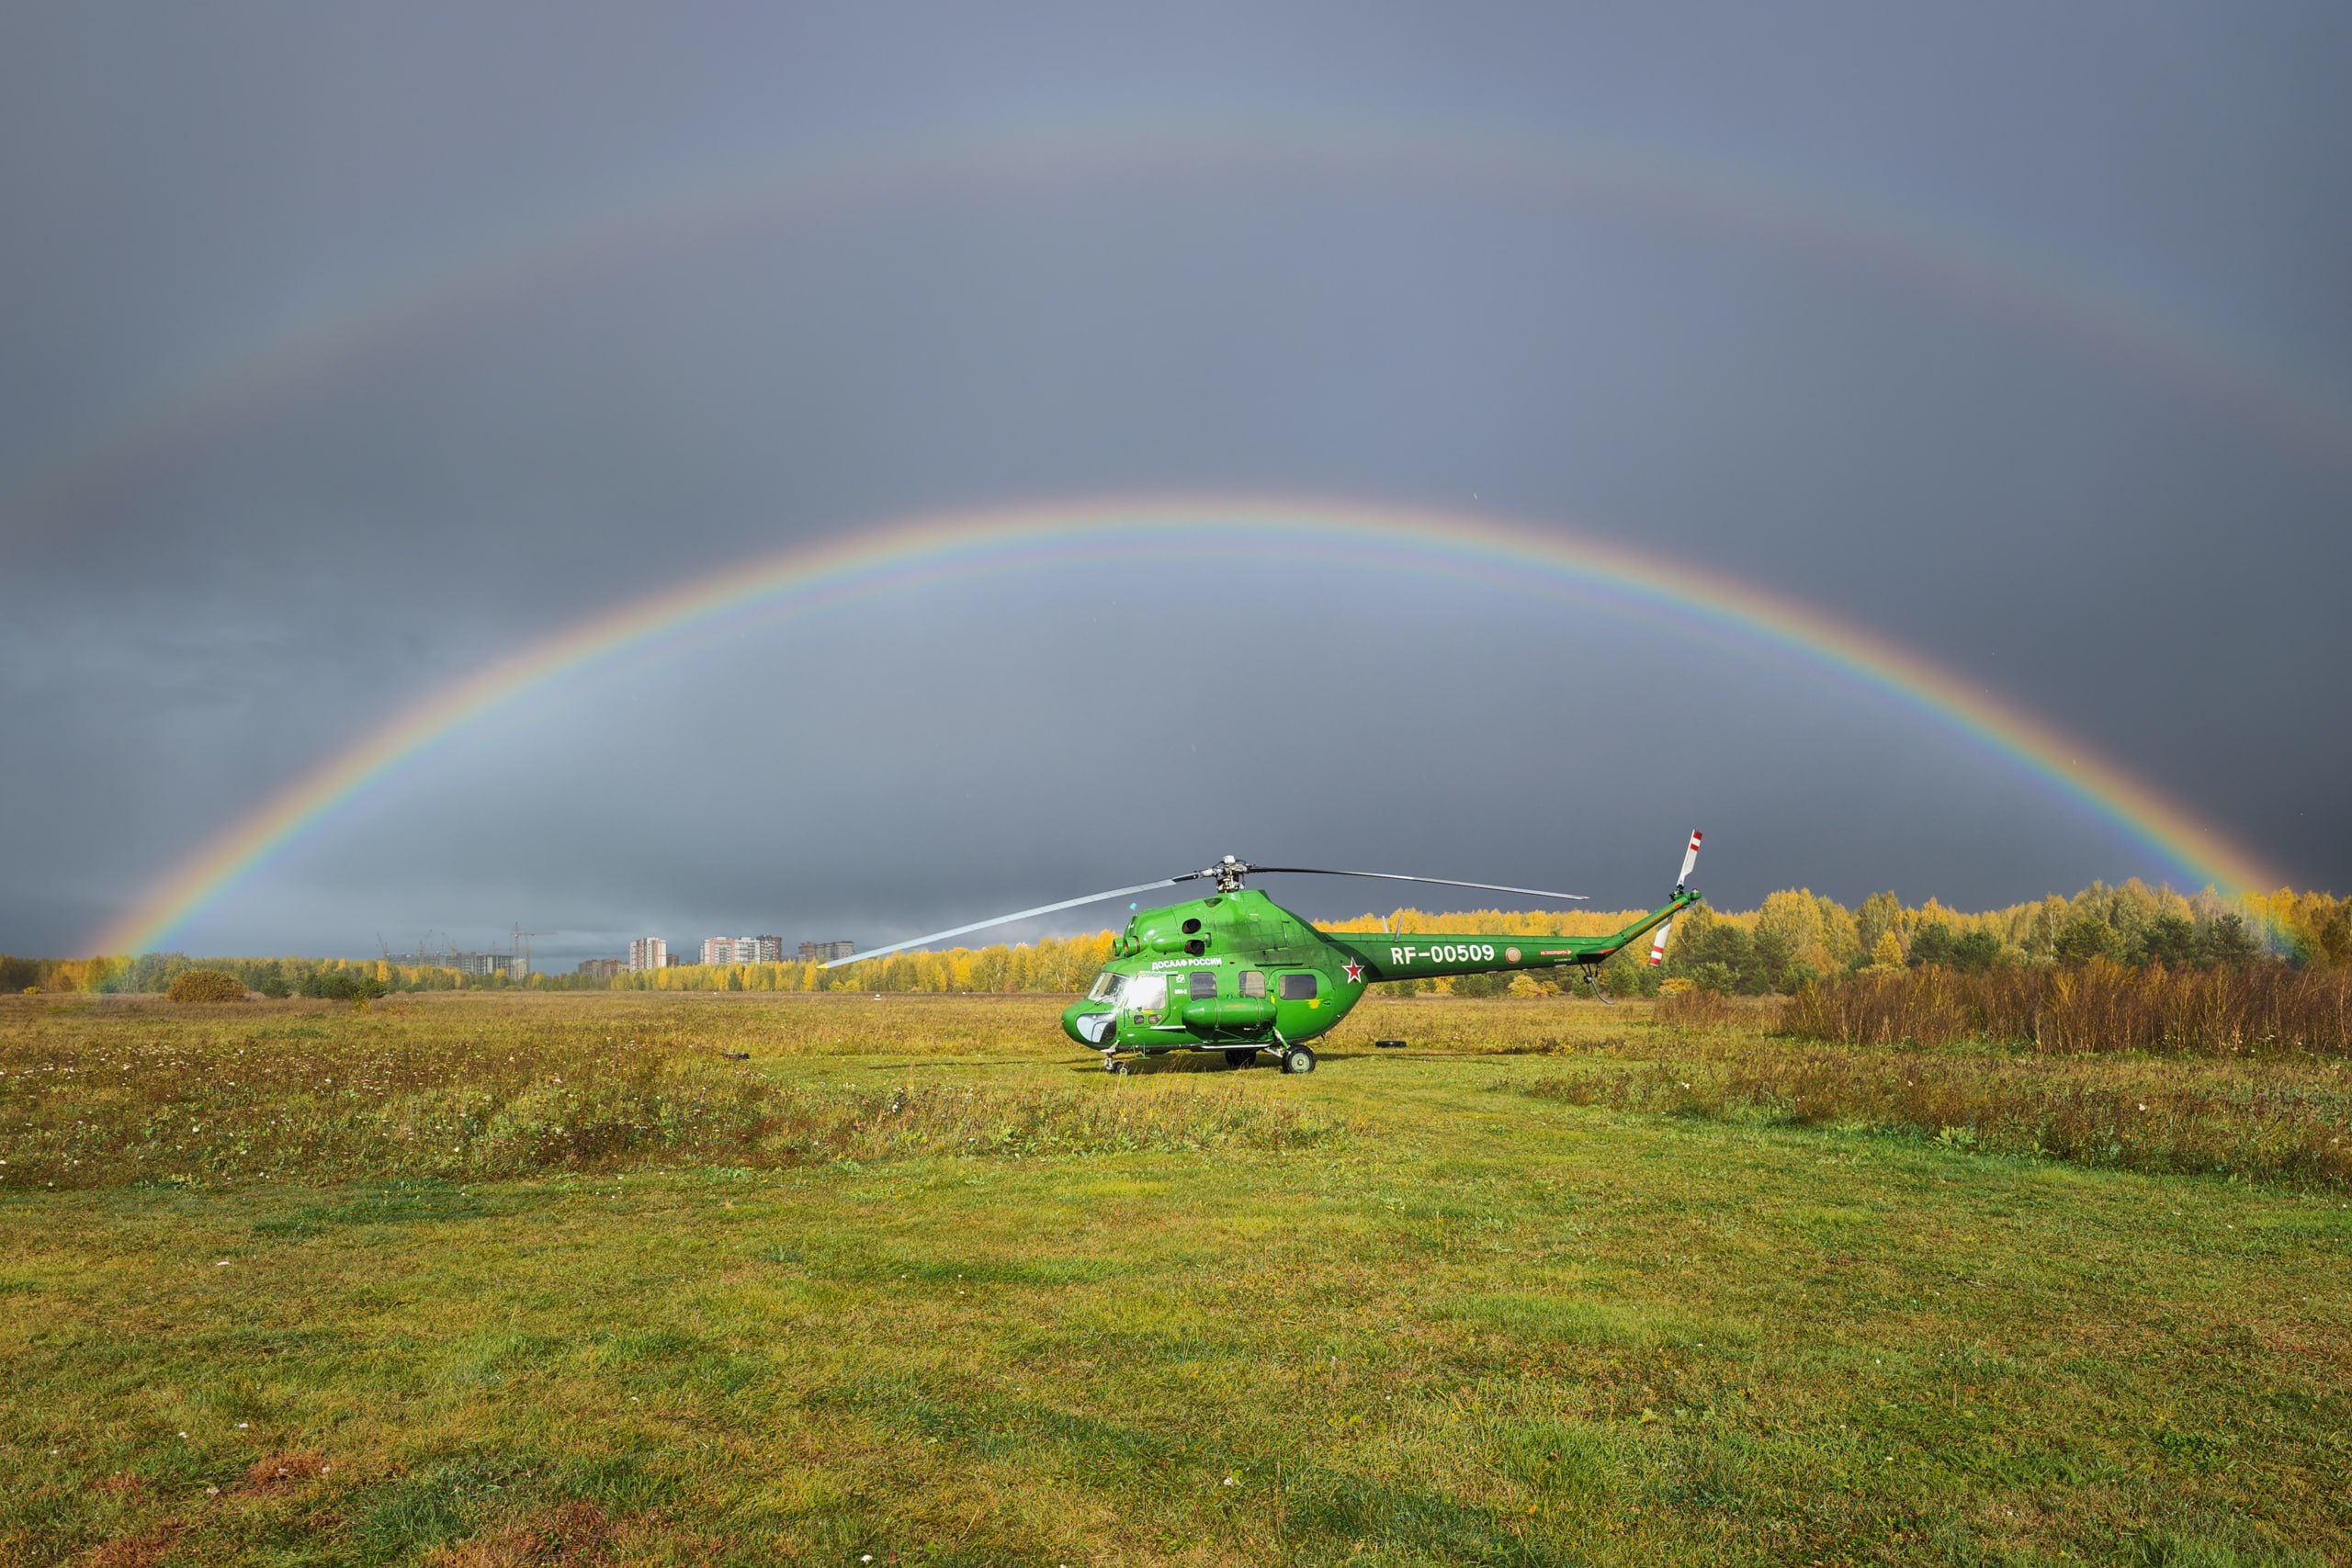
(484, 1278)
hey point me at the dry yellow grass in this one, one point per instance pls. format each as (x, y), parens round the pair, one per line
(1457, 1322)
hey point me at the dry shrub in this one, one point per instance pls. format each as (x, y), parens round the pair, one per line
(144, 1550)
(208, 1111)
(282, 1473)
(206, 985)
(2264, 1128)
(2068, 1009)
(1697, 1009)
(573, 1533)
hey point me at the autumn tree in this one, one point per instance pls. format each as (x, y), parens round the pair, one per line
(1977, 951)
(2227, 942)
(206, 985)
(1879, 915)
(2087, 937)
(1931, 943)
(2169, 939)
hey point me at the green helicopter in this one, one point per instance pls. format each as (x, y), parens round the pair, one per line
(1235, 972)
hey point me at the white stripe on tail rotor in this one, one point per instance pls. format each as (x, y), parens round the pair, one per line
(1689, 859)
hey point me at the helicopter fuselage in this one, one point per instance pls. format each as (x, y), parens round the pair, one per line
(1237, 970)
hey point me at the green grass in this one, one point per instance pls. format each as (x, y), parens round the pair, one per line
(1393, 1312)
(2282, 1120)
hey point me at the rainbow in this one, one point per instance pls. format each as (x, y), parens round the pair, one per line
(2037, 292)
(956, 545)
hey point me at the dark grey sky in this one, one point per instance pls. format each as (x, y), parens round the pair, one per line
(342, 351)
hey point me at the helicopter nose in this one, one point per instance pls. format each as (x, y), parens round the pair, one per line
(1087, 1028)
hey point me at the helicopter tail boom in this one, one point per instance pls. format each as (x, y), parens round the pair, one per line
(1417, 955)
(1659, 919)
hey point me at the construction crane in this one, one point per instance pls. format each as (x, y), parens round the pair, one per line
(522, 946)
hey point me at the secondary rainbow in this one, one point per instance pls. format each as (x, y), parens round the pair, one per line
(957, 544)
(703, 205)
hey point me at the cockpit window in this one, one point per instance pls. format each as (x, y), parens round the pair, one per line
(1145, 993)
(1107, 987)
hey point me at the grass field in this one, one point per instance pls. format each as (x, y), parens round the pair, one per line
(656, 1278)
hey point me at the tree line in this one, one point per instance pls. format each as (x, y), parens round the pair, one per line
(1793, 937)
(340, 979)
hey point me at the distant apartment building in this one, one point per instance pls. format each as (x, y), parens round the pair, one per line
(649, 952)
(825, 952)
(742, 950)
(487, 963)
(604, 968)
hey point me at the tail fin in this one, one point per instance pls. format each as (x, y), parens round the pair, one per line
(1689, 859)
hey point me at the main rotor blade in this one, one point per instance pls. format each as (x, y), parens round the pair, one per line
(1017, 914)
(1439, 881)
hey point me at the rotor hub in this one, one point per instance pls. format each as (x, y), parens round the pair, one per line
(1229, 873)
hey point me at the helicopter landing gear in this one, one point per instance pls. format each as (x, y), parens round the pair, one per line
(1298, 1059)
(1242, 1058)
(1113, 1065)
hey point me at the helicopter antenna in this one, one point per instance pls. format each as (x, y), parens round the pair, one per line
(1689, 859)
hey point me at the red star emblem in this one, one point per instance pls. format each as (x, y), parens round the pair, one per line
(1355, 973)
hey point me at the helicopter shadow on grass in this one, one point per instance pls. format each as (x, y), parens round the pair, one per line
(1209, 1064)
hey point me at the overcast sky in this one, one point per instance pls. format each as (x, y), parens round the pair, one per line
(344, 350)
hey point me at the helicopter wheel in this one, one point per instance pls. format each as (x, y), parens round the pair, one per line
(1113, 1065)
(1298, 1059)
(1242, 1058)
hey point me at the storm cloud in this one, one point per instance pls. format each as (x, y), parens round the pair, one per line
(343, 352)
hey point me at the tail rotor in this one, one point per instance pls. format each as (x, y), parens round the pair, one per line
(1689, 859)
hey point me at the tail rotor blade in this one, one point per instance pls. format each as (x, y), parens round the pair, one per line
(1689, 859)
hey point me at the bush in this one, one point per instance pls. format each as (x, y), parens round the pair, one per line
(1715, 977)
(2260, 1009)
(343, 986)
(206, 985)
(2275, 1128)
(1696, 1007)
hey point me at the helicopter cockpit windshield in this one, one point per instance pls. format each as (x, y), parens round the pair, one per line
(1107, 987)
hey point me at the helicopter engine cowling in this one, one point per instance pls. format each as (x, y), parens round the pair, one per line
(1172, 936)
(1229, 1016)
